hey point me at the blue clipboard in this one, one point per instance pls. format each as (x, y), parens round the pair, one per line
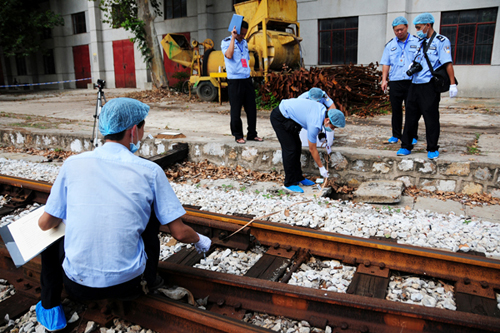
(235, 22)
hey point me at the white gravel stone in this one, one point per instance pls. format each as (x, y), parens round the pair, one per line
(415, 290)
(414, 227)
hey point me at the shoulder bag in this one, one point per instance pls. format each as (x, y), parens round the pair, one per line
(440, 77)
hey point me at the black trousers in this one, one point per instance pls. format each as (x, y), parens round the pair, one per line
(53, 277)
(423, 100)
(242, 93)
(398, 93)
(287, 132)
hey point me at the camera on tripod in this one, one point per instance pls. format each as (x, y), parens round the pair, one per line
(414, 68)
(100, 96)
(100, 84)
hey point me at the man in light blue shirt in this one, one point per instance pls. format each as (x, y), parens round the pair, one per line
(239, 84)
(398, 55)
(423, 98)
(112, 203)
(288, 119)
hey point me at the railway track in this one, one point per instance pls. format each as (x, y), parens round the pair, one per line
(264, 289)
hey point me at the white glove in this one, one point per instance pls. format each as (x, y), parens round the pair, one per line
(453, 90)
(203, 245)
(323, 172)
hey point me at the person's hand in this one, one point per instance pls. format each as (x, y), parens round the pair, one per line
(453, 90)
(384, 85)
(323, 172)
(234, 33)
(203, 245)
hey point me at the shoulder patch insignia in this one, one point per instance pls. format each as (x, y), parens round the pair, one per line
(227, 38)
(441, 38)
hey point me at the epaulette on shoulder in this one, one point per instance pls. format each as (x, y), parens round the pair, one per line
(227, 38)
(390, 40)
(441, 38)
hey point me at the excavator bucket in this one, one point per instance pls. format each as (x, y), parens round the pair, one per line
(177, 48)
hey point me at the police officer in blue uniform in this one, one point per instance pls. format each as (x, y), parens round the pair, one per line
(423, 99)
(240, 87)
(398, 55)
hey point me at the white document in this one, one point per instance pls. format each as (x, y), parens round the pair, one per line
(25, 240)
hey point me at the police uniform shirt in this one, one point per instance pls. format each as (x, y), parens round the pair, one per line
(399, 55)
(439, 53)
(325, 100)
(307, 113)
(238, 67)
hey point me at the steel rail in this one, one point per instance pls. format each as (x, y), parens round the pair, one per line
(355, 250)
(166, 316)
(321, 307)
(298, 302)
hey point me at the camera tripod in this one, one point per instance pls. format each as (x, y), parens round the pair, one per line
(100, 96)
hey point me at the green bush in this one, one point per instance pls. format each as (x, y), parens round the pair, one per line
(267, 102)
(182, 77)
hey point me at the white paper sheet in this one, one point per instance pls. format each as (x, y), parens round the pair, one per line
(29, 238)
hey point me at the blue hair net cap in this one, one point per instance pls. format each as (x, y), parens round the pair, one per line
(120, 114)
(399, 20)
(316, 94)
(336, 118)
(424, 18)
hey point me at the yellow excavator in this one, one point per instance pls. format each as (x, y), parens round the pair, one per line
(273, 42)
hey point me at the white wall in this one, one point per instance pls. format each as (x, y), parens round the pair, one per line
(210, 18)
(374, 30)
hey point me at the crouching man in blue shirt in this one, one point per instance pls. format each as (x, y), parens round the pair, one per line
(112, 203)
(288, 119)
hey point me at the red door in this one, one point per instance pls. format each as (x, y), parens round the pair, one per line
(123, 56)
(81, 59)
(172, 67)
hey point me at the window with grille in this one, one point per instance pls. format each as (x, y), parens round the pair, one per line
(338, 41)
(79, 26)
(471, 34)
(175, 9)
(49, 63)
(21, 65)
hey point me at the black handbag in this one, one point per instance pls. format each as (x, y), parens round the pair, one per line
(440, 77)
(291, 126)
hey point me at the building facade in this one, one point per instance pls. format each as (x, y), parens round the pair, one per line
(334, 32)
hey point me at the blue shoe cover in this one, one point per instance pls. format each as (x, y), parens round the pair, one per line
(403, 152)
(414, 141)
(432, 155)
(52, 319)
(393, 139)
(307, 182)
(294, 188)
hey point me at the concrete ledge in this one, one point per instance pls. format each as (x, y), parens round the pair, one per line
(349, 166)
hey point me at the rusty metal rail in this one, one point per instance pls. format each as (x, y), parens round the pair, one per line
(360, 311)
(369, 252)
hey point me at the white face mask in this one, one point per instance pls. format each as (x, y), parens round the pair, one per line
(134, 147)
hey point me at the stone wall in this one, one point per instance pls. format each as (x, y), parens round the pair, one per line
(350, 167)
